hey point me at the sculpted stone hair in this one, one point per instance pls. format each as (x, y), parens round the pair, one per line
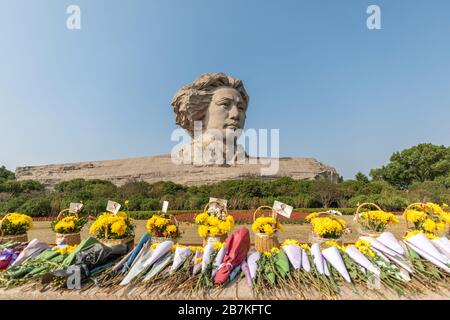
(191, 102)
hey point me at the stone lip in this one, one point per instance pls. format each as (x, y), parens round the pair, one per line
(161, 168)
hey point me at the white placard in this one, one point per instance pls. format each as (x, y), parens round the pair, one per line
(113, 207)
(75, 207)
(282, 209)
(165, 206)
(223, 201)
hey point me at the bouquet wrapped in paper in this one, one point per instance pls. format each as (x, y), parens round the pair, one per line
(425, 248)
(332, 255)
(238, 245)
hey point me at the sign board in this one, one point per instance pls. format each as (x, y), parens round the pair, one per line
(165, 206)
(282, 209)
(215, 205)
(113, 207)
(75, 207)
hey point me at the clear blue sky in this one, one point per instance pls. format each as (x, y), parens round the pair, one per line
(339, 92)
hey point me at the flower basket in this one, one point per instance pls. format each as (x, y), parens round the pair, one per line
(170, 222)
(223, 218)
(114, 229)
(67, 238)
(265, 242)
(333, 215)
(129, 242)
(16, 237)
(418, 214)
(70, 239)
(364, 230)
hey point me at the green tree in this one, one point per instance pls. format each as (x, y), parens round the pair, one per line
(361, 177)
(424, 162)
(6, 174)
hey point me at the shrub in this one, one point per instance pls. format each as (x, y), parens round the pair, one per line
(36, 207)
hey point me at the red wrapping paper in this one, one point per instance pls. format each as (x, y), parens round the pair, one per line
(238, 245)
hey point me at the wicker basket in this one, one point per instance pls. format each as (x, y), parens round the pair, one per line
(162, 239)
(5, 238)
(16, 238)
(362, 230)
(264, 242)
(129, 242)
(315, 238)
(70, 239)
(220, 237)
(67, 238)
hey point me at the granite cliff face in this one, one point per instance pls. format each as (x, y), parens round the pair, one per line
(161, 168)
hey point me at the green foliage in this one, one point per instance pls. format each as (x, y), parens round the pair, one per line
(5, 174)
(17, 187)
(36, 207)
(361, 177)
(424, 162)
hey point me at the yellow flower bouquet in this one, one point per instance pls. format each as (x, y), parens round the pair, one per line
(428, 217)
(214, 223)
(67, 227)
(14, 226)
(373, 222)
(326, 226)
(266, 229)
(113, 229)
(163, 228)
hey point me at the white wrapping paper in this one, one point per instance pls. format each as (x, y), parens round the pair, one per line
(218, 260)
(333, 256)
(423, 243)
(207, 253)
(305, 261)
(391, 242)
(318, 258)
(180, 256)
(294, 254)
(443, 245)
(252, 260)
(361, 259)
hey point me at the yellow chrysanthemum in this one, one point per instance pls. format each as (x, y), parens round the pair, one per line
(65, 250)
(416, 232)
(415, 216)
(274, 250)
(305, 246)
(332, 243)
(364, 247)
(290, 242)
(218, 245)
(326, 227)
(20, 219)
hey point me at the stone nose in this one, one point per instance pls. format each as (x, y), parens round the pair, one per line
(234, 112)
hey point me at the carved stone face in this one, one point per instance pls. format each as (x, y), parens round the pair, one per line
(226, 111)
